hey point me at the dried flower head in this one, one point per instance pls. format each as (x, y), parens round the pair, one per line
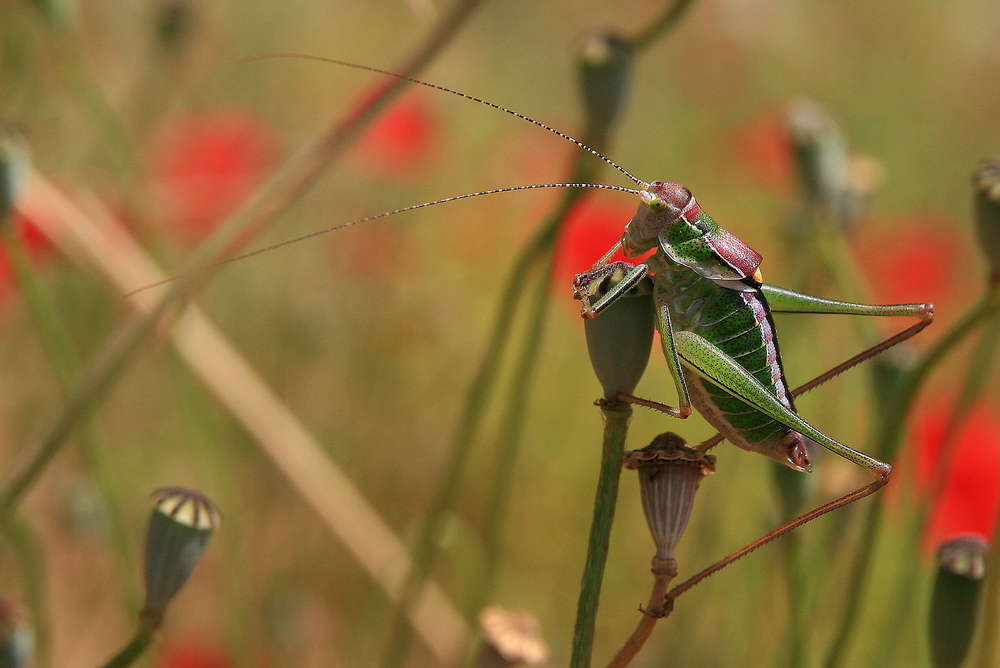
(510, 639)
(179, 527)
(669, 475)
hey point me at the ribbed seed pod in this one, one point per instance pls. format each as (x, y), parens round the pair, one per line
(669, 475)
(954, 603)
(179, 527)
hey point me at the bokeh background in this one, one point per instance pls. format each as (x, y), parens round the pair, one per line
(372, 335)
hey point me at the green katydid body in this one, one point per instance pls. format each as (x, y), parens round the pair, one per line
(715, 324)
(739, 323)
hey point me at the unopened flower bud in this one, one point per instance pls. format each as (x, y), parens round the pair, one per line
(820, 152)
(174, 22)
(16, 639)
(510, 639)
(669, 475)
(14, 160)
(180, 525)
(605, 70)
(986, 183)
(954, 603)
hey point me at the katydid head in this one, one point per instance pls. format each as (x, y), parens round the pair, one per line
(671, 217)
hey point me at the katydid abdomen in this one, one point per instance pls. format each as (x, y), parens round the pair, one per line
(739, 323)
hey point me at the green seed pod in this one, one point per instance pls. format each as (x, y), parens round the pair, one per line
(986, 183)
(180, 525)
(954, 603)
(16, 639)
(605, 64)
(669, 475)
(174, 22)
(14, 160)
(620, 340)
(820, 154)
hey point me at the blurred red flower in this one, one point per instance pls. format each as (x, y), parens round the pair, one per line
(913, 260)
(591, 229)
(208, 165)
(35, 243)
(971, 491)
(401, 141)
(764, 151)
(193, 655)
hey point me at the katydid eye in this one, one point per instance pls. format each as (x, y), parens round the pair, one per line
(657, 205)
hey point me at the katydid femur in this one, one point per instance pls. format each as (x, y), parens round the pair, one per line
(713, 312)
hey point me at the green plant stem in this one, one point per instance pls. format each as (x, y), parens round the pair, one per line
(133, 650)
(888, 437)
(31, 562)
(980, 365)
(616, 418)
(987, 643)
(537, 251)
(663, 24)
(276, 194)
(902, 400)
(57, 344)
(509, 439)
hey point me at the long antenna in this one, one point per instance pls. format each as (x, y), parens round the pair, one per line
(310, 235)
(642, 184)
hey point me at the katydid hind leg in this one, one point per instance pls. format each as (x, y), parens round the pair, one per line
(709, 362)
(805, 518)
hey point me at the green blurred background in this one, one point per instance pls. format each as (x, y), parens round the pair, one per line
(372, 335)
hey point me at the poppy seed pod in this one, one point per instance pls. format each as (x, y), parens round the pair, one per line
(179, 527)
(820, 153)
(605, 64)
(954, 603)
(986, 183)
(620, 339)
(14, 160)
(16, 639)
(669, 475)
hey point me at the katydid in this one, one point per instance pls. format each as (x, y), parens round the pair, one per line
(713, 313)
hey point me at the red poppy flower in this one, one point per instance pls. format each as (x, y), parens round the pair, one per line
(971, 492)
(591, 229)
(35, 243)
(193, 655)
(764, 151)
(911, 260)
(400, 142)
(209, 164)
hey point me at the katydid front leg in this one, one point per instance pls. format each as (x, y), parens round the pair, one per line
(600, 287)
